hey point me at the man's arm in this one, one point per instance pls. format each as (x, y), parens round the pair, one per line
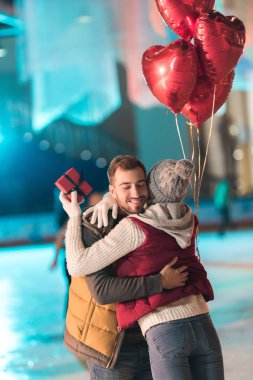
(146, 285)
(106, 288)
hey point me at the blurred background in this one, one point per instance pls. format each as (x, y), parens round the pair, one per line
(72, 94)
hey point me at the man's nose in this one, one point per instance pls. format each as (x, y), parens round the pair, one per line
(135, 191)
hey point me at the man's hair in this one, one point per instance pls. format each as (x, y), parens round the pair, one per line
(126, 163)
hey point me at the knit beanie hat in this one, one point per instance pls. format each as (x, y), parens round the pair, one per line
(168, 180)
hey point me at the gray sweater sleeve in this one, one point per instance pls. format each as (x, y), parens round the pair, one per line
(106, 288)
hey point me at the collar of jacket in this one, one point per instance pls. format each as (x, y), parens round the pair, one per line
(102, 231)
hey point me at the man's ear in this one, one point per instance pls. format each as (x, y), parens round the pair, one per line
(112, 191)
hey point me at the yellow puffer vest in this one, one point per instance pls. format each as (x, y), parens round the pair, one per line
(91, 329)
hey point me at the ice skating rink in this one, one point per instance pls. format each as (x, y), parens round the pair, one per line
(32, 309)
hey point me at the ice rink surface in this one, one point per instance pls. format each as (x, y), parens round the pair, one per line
(33, 298)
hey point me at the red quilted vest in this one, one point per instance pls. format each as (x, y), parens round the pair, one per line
(155, 252)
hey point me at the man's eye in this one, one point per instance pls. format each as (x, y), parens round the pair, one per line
(126, 188)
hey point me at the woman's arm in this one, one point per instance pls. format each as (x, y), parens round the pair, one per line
(124, 238)
(105, 287)
(99, 212)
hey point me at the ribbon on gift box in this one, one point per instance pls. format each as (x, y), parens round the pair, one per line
(72, 177)
(76, 188)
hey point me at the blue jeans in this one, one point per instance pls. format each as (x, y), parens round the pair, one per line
(132, 364)
(186, 349)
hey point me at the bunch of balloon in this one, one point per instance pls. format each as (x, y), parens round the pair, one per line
(194, 74)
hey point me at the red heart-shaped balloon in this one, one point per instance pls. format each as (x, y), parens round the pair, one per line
(199, 107)
(181, 15)
(220, 41)
(171, 72)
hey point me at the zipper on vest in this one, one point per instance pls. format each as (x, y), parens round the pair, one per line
(112, 361)
(114, 356)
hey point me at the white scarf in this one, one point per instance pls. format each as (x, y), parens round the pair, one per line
(176, 219)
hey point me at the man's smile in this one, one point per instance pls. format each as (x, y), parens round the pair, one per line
(136, 201)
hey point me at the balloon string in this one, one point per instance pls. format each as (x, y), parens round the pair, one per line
(194, 188)
(179, 135)
(197, 243)
(197, 192)
(209, 136)
(193, 149)
(199, 179)
(194, 185)
(192, 142)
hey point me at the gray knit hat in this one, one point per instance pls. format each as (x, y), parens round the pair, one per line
(168, 180)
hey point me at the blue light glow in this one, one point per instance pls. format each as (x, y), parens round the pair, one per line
(69, 58)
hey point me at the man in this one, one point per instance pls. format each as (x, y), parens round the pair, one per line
(92, 328)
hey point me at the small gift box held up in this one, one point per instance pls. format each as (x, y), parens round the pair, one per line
(71, 181)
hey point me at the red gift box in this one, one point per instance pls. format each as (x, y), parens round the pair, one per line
(71, 181)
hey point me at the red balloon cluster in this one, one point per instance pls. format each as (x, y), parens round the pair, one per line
(185, 76)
